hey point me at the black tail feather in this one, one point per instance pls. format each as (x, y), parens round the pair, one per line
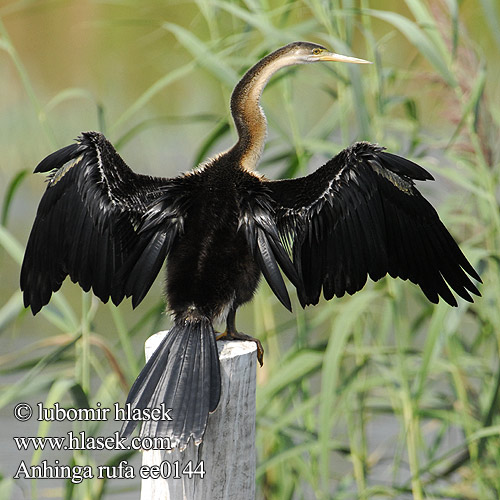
(183, 374)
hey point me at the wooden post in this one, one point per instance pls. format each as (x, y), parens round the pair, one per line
(227, 454)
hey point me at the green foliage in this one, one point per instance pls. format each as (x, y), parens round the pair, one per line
(380, 395)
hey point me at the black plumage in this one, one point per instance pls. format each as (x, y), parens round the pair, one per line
(220, 227)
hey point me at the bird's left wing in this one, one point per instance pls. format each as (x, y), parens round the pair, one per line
(361, 215)
(98, 222)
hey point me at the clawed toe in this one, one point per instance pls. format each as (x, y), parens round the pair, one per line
(227, 335)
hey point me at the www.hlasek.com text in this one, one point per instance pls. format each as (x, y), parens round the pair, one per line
(82, 441)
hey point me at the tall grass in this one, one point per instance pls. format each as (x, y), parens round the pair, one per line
(379, 395)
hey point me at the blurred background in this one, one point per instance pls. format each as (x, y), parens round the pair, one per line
(379, 395)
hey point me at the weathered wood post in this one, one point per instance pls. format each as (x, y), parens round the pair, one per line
(223, 466)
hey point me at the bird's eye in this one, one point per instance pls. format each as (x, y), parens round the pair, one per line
(317, 51)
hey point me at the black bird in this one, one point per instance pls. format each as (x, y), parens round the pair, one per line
(219, 227)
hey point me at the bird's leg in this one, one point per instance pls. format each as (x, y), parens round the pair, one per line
(232, 334)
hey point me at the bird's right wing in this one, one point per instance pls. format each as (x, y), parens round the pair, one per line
(361, 215)
(95, 224)
(258, 223)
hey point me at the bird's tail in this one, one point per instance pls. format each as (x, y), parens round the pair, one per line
(183, 374)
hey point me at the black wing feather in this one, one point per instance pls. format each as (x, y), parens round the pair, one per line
(361, 215)
(87, 225)
(258, 224)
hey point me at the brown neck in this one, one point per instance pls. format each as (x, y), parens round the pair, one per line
(247, 112)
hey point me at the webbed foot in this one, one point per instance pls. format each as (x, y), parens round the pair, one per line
(234, 335)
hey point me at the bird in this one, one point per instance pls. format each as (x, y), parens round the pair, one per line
(223, 225)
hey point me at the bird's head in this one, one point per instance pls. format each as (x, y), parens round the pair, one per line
(308, 52)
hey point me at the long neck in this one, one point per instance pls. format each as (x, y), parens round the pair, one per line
(248, 115)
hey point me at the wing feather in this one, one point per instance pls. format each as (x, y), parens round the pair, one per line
(361, 215)
(257, 222)
(87, 225)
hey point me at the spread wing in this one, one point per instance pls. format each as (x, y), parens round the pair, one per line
(361, 215)
(92, 224)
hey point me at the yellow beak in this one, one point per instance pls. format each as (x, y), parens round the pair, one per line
(331, 56)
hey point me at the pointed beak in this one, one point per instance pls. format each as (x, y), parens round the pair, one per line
(331, 56)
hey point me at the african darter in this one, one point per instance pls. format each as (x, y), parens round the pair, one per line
(219, 227)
